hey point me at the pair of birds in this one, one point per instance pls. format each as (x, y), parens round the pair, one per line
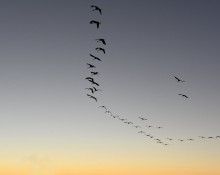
(96, 8)
(179, 80)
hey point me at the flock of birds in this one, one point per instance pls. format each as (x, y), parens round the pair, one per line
(94, 89)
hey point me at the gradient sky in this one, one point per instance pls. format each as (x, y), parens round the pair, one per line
(48, 126)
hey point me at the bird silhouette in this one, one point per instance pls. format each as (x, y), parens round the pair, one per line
(91, 89)
(122, 119)
(183, 95)
(169, 139)
(101, 40)
(181, 140)
(90, 96)
(190, 139)
(103, 107)
(217, 136)
(95, 58)
(96, 8)
(149, 126)
(141, 132)
(178, 80)
(89, 78)
(97, 23)
(100, 49)
(210, 137)
(94, 73)
(159, 127)
(95, 90)
(90, 65)
(202, 137)
(142, 118)
(93, 82)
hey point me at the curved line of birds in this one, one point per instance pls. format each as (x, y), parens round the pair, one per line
(94, 89)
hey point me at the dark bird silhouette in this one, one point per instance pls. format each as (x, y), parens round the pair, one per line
(128, 123)
(181, 140)
(166, 144)
(159, 127)
(217, 136)
(101, 40)
(91, 89)
(96, 8)
(149, 126)
(97, 23)
(89, 78)
(100, 49)
(169, 139)
(142, 118)
(202, 137)
(95, 58)
(141, 132)
(93, 82)
(103, 107)
(178, 80)
(90, 96)
(95, 90)
(210, 137)
(94, 73)
(183, 95)
(115, 116)
(90, 65)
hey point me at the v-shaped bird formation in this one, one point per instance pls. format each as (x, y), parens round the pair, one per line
(143, 126)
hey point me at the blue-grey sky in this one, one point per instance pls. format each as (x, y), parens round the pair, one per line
(44, 48)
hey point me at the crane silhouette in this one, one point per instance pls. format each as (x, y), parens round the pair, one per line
(96, 8)
(101, 40)
(91, 89)
(183, 95)
(94, 73)
(97, 23)
(178, 80)
(142, 118)
(103, 107)
(90, 96)
(90, 65)
(100, 49)
(95, 58)
(95, 90)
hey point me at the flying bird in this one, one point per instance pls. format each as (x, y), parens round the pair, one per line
(101, 40)
(159, 127)
(100, 49)
(169, 139)
(190, 139)
(95, 90)
(210, 137)
(141, 132)
(90, 96)
(90, 65)
(89, 78)
(96, 8)
(202, 137)
(178, 80)
(142, 118)
(103, 107)
(94, 73)
(217, 136)
(95, 58)
(93, 82)
(91, 89)
(97, 23)
(136, 126)
(149, 126)
(183, 95)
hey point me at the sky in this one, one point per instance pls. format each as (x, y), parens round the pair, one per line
(48, 125)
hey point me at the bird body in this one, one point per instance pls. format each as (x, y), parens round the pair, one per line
(183, 95)
(100, 49)
(96, 8)
(90, 65)
(95, 58)
(142, 118)
(101, 40)
(97, 23)
(90, 96)
(178, 80)
(94, 73)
